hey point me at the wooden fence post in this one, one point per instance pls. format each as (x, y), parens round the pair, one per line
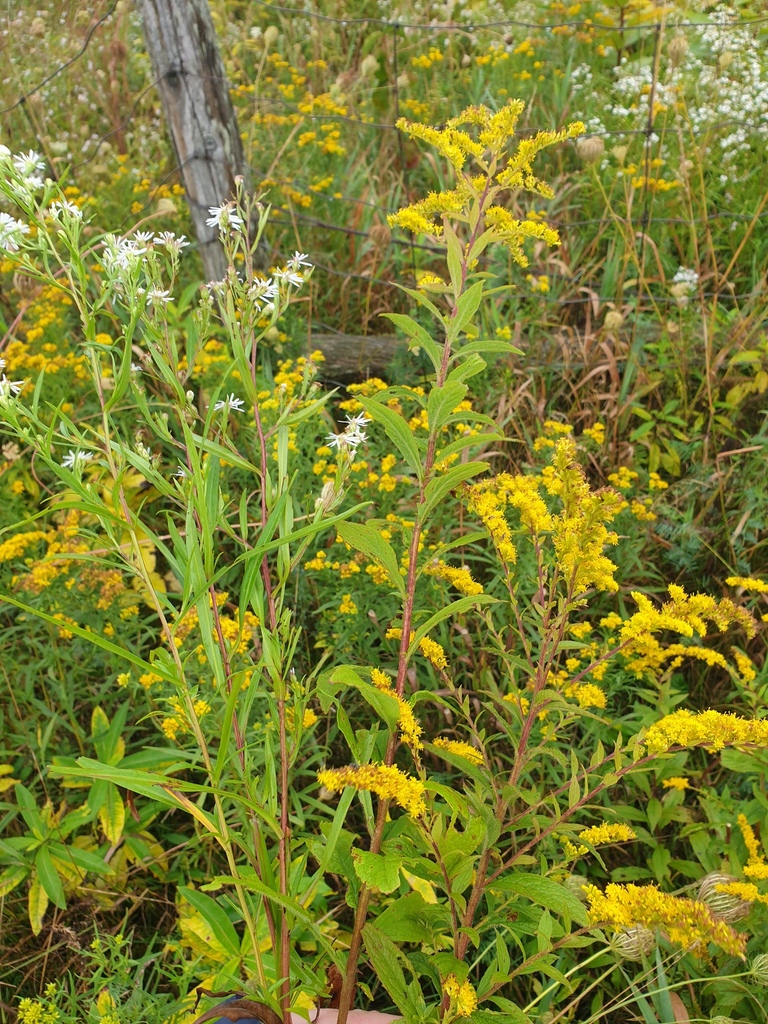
(181, 41)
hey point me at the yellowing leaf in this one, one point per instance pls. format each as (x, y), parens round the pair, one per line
(420, 885)
(99, 721)
(38, 904)
(112, 815)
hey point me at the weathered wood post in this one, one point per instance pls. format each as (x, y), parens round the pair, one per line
(182, 46)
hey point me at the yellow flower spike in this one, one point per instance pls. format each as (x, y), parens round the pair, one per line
(386, 781)
(689, 923)
(750, 840)
(607, 833)
(410, 730)
(711, 730)
(431, 649)
(460, 578)
(465, 750)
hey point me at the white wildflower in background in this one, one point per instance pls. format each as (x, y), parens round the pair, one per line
(158, 296)
(11, 231)
(684, 285)
(223, 217)
(263, 293)
(75, 459)
(230, 403)
(298, 260)
(143, 237)
(121, 255)
(181, 473)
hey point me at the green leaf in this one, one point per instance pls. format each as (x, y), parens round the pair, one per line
(441, 485)
(466, 308)
(385, 958)
(488, 345)
(397, 431)
(454, 608)
(442, 401)
(215, 917)
(37, 903)
(81, 858)
(411, 919)
(384, 704)
(49, 877)
(418, 334)
(367, 539)
(545, 893)
(378, 870)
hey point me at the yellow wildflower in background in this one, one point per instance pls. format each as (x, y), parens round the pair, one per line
(744, 666)
(464, 750)
(712, 730)
(755, 586)
(386, 781)
(678, 782)
(596, 433)
(688, 923)
(742, 890)
(462, 995)
(347, 606)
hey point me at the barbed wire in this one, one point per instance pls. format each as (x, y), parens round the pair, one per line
(62, 67)
(505, 23)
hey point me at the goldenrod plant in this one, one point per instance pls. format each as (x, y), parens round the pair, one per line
(403, 827)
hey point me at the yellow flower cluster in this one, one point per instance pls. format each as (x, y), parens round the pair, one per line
(746, 891)
(488, 507)
(347, 606)
(464, 750)
(747, 583)
(678, 782)
(37, 1011)
(756, 866)
(463, 996)
(712, 730)
(579, 531)
(685, 614)
(431, 650)
(386, 781)
(688, 923)
(410, 730)
(459, 578)
(587, 695)
(607, 833)
(596, 433)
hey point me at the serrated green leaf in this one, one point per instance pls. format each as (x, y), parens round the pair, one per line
(545, 893)
(442, 401)
(441, 485)
(378, 870)
(215, 917)
(385, 958)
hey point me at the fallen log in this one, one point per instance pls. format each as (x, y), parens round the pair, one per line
(354, 357)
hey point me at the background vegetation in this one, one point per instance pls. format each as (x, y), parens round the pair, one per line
(642, 336)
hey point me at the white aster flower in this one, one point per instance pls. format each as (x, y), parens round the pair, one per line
(290, 276)
(9, 388)
(28, 164)
(299, 259)
(173, 243)
(223, 217)
(230, 403)
(158, 296)
(11, 231)
(181, 473)
(63, 206)
(75, 459)
(347, 441)
(356, 423)
(143, 237)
